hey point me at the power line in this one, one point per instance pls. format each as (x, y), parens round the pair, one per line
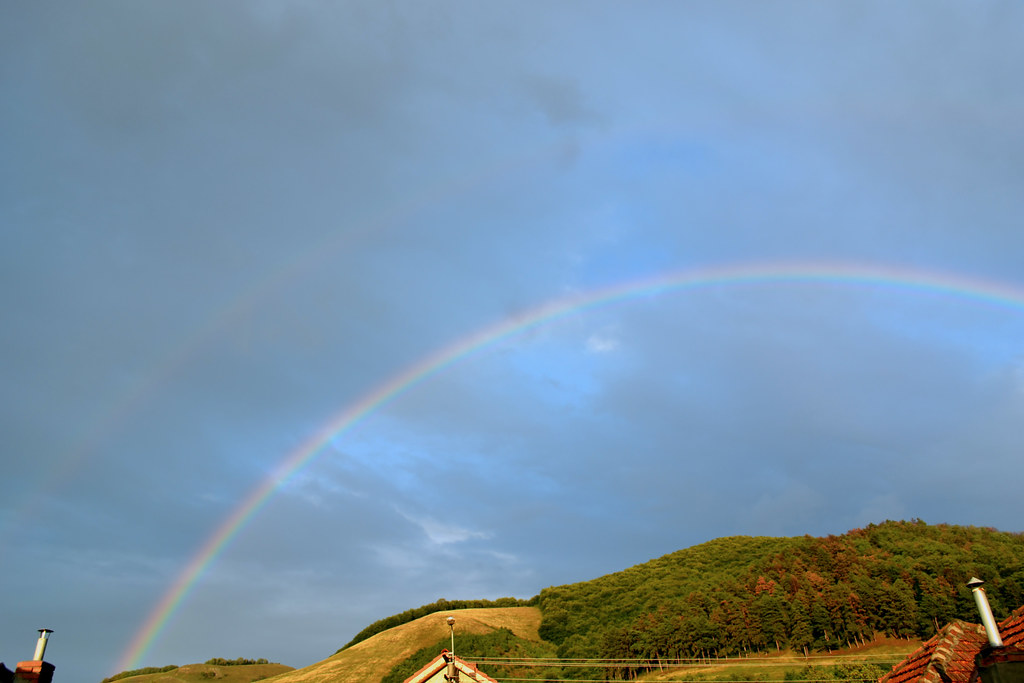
(818, 660)
(680, 680)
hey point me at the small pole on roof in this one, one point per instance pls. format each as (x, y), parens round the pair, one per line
(987, 619)
(453, 671)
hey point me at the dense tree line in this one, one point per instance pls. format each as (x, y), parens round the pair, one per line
(438, 606)
(740, 595)
(241, 661)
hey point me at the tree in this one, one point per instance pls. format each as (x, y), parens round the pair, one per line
(771, 614)
(802, 637)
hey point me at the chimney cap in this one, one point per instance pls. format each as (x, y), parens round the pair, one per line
(45, 630)
(975, 582)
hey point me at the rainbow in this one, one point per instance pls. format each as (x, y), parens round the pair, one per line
(988, 292)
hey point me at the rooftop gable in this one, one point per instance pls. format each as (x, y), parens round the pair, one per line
(434, 671)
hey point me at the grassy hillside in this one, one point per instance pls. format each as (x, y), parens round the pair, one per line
(371, 659)
(868, 662)
(434, 607)
(205, 673)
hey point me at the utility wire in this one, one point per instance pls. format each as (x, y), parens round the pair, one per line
(679, 680)
(638, 665)
(819, 660)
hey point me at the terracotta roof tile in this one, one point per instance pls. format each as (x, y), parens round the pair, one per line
(1011, 629)
(948, 657)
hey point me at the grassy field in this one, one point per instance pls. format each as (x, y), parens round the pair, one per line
(369, 660)
(204, 673)
(775, 667)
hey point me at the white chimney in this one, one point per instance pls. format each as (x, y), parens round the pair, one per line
(44, 633)
(987, 620)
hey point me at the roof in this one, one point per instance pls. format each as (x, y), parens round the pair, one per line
(1011, 629)
(949, 656)
(468, 671)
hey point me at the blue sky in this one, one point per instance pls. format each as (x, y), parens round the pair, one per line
(225, 223)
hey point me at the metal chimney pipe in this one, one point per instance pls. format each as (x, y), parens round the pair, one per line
(44, 633)
(987, 619)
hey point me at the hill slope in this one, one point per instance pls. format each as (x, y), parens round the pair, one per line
(204, 673)
(370, 659)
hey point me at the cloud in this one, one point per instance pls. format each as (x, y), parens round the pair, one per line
(602, 343)
(443, 534)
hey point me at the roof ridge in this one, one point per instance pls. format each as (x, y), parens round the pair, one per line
(440, 662)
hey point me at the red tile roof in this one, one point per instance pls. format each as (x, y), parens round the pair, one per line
(1011, 629)
(949, 656)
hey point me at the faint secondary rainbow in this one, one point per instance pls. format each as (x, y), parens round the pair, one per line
(180, 352)
(838, 273)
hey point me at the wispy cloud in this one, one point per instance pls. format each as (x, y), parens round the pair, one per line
(443, 534)
(602, 343)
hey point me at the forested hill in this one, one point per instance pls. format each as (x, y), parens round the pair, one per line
(726, 597)
(743, 594)
(739, 594)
